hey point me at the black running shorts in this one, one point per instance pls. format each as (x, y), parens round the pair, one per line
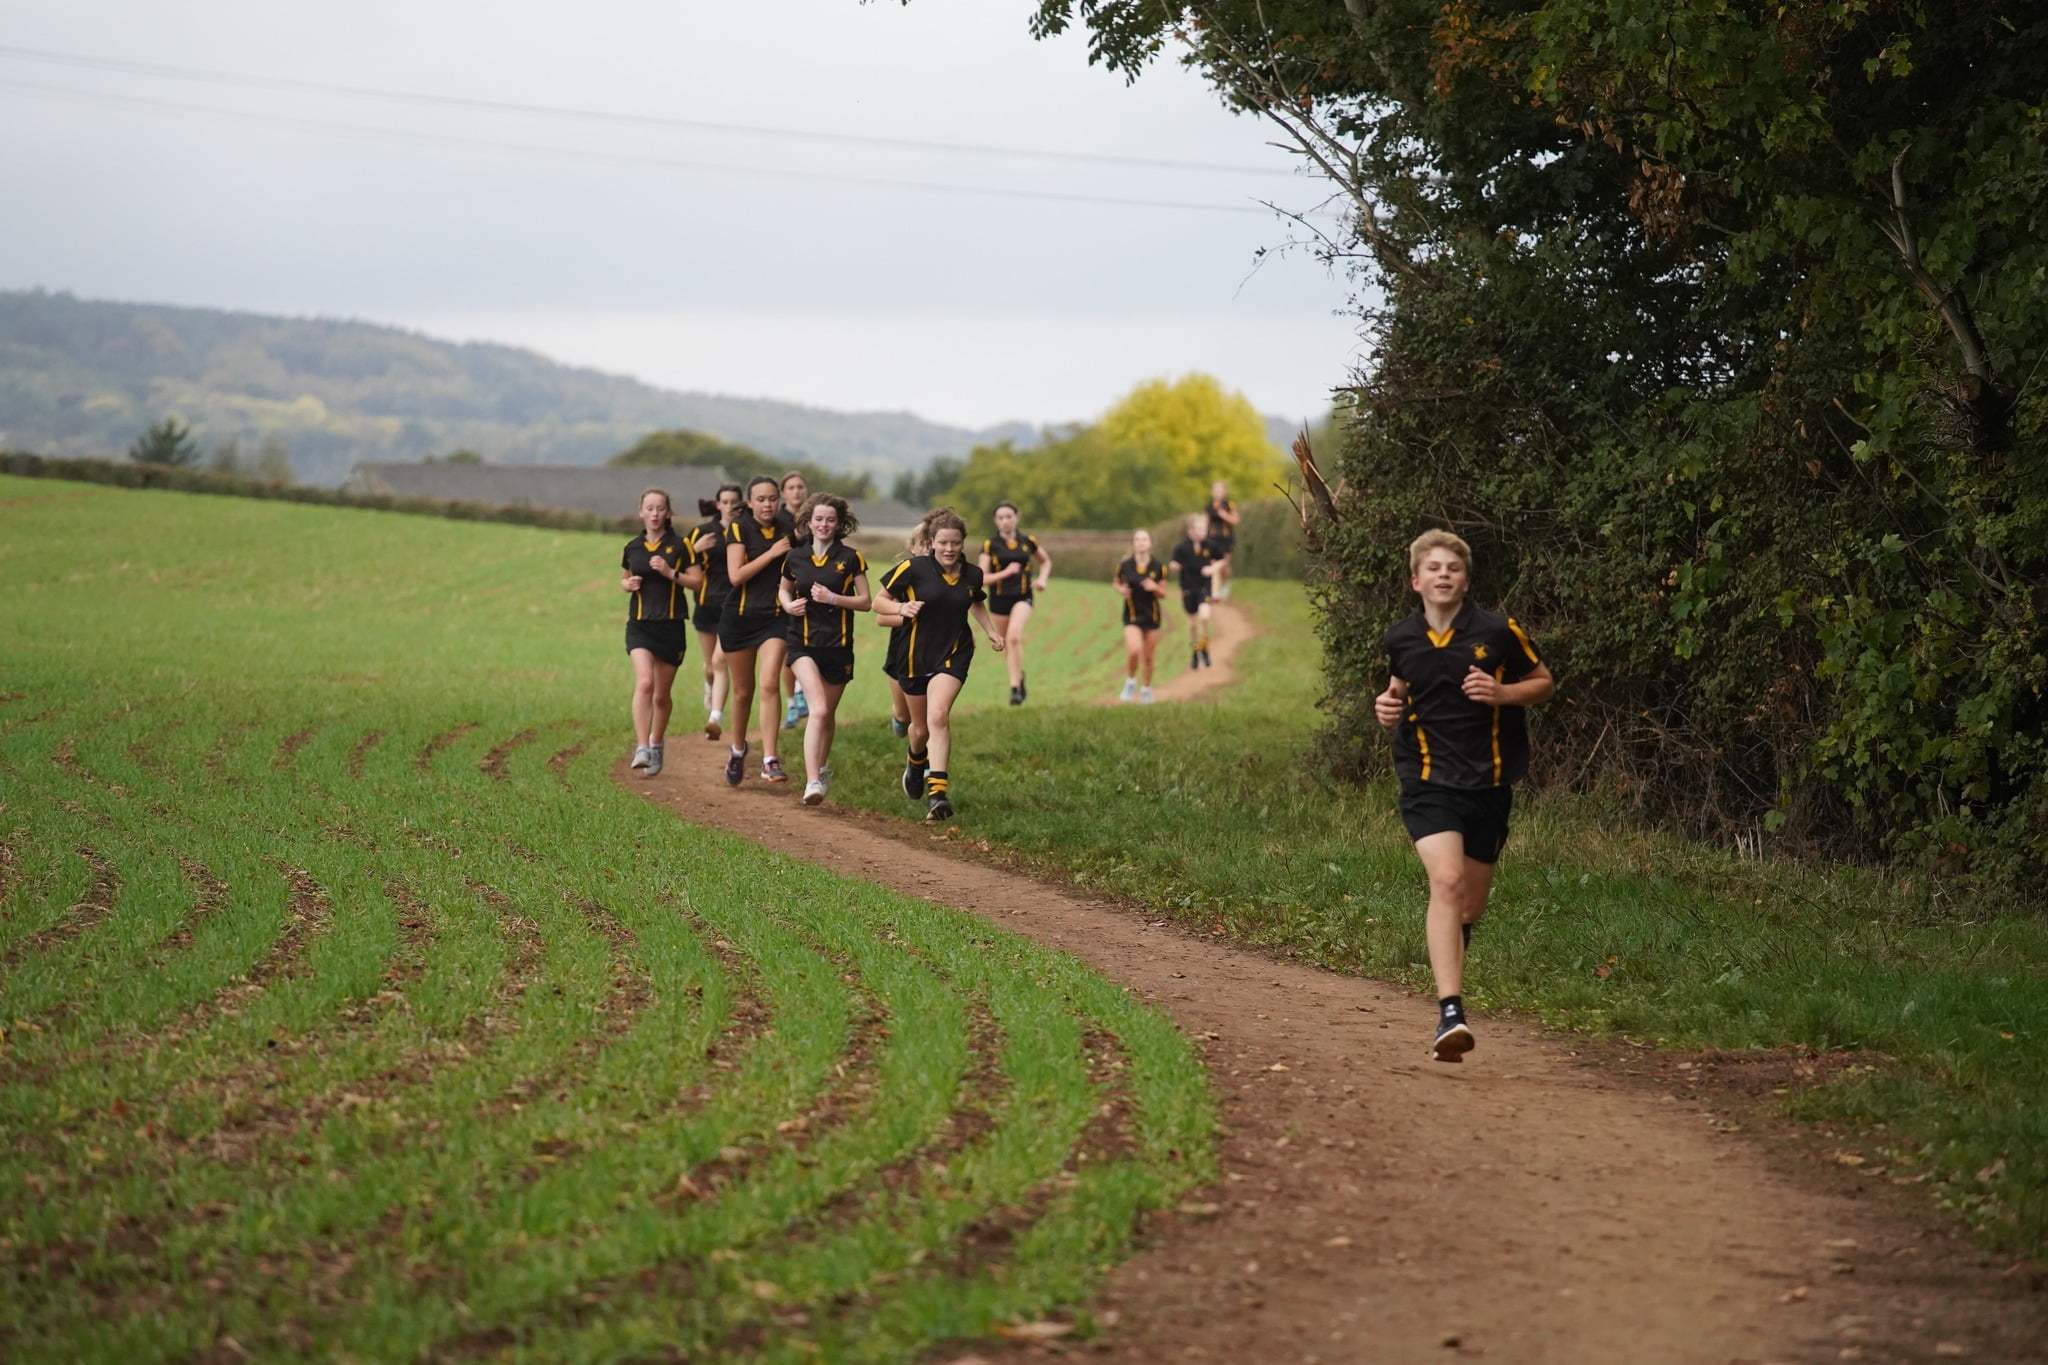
(1003, 606)
(665, 640)
(835, 666)
(706, 617)
(1480, 815)
(915, 687)
(1191, 602)
(736, 633)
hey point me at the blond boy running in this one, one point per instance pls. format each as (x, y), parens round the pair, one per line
(1461, 678)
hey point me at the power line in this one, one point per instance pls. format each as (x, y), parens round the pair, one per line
(615, 158)
(208, 76)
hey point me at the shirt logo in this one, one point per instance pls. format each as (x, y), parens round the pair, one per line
(1479, 651)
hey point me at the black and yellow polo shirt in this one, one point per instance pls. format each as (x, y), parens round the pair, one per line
(1445, 738)
(659, 598)
(1142, 607)
(1189, 556)
(821, 626)
(940, 638)
(756, 596)
(1002, 553)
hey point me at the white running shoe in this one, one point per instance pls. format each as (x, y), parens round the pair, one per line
(1130, 690)
(814, 792)
(654, 760)
(640, 756)
(1145, 695)
(714, 725)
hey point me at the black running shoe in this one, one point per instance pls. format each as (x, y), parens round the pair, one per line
(940, 807)
(736, 767)
(1453, 1041)
(1016, 696)
(913, 781)
(1207, 662)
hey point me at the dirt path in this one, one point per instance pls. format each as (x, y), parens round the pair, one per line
(1229, 628)
(1530, 1205)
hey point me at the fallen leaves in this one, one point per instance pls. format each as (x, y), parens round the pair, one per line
(1045, 1329)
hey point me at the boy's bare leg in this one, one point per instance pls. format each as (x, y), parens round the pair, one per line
(1450, 882)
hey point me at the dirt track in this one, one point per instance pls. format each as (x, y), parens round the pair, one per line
(1529, 1205)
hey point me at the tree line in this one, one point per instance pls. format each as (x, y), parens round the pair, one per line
(1719, 331)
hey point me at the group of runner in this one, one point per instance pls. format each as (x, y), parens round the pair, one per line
(778, 587)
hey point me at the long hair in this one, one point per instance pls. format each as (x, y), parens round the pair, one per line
(848, 523)
(668, 524)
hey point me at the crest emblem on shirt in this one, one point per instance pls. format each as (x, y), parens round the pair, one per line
(1479, 651)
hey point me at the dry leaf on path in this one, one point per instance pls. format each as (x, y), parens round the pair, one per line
(1042, 1330)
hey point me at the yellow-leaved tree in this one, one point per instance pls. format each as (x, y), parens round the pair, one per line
(1202, 432)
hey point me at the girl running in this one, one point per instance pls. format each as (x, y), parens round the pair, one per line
(1141, 581)
(796, 490)
(1005, 568)
(751, 623)
(656, 569)
(709, 543)
(823, 584)
(892, 661)
(1195, 557)
(929, 601)
(1223, 522)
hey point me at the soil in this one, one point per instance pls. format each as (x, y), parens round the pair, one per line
(1546, 1200)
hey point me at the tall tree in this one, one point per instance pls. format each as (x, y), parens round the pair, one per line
(168, 442)
(1718, 329)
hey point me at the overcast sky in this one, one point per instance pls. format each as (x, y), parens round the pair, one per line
(825, 270)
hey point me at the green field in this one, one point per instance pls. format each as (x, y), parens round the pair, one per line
(350, 1009)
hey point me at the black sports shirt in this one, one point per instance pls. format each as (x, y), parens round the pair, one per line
(1001, 554)
(898, 654)
(1190, 558)
(1219, 529)
(756, 596)
(1445, 738)
(659, 598)
(1142, 607)
(941, 637)
(821, 626)
(709, 541)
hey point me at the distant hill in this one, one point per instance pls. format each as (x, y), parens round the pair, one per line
(84, 377)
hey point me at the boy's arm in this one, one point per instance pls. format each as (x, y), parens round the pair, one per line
(1388, 705)
(1536, 687)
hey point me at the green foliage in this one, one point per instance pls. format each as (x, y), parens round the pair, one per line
(168, 442)
(1152, 456)
(467, 456)
(1201, 432)
(1719, 331)
(931, 486)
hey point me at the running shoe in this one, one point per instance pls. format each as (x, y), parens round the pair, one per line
(736, 766)
(1207, 662)
(771, 770)
(789, 715)
(940, 807)
(640, 756)
(814, 792)
(913, 781)
(1016, 696)
(825, 773)
(1130, 690)
(900, 727)
(714, 725)
(1145, 695)
(653, 759)
(1453, 1041)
